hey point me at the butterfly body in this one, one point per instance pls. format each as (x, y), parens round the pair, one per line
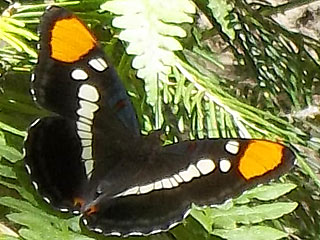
(89, 158)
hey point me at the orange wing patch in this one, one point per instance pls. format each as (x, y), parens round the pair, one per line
(70, 40)
(259, 158)
(91, 210)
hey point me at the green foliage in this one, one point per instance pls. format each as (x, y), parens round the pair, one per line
(233, 218)
(8, 152)
(10, 31)
(252, 233)
(43, 226)
(178, 81)
(228, 219)
(265, 192)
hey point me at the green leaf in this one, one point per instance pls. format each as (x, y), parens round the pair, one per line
(2, 139)
(6, 171)
(12, 130)
(10, 153)
(180, 85)
(43, 228)
(249, 215)
(22, 191)
(266, 192)
(22, 206)
(229, 217)
(251, 233)
(220, 10)
(40, 224)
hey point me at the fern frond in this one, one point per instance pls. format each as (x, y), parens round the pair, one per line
(12, 31)
(150, 28)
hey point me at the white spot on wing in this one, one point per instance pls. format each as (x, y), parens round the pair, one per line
(47, 200)
(86, 143)
(23, 149)
(185, 215)
(64, 210)
(224, 165)
(34, 98)
(86, 153)
(115, 234)
(186, 176)
(75, 212)
(83, 126)
(189, 174)
(174, 182)
(166, 183)
(135, 234)
(84, 135)
(146, 188)
(88, 92)
(87, 109)
(156, 231)
(89, 166)
(194, 171)
(232, 146)
(131, 191)
(157, 185)
(35, 122)
(35, 185)
(33, 77)
(28, 169)
(79, 74)
(98, 230)
(173, 225)
(85, 120)
(178, 178)
(206, 166)
(98, 64)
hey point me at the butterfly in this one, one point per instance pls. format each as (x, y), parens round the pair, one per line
(89, 158)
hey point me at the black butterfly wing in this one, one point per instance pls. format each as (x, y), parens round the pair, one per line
(53, 154)
(205, 172)
(75, 80)
(72, 70)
